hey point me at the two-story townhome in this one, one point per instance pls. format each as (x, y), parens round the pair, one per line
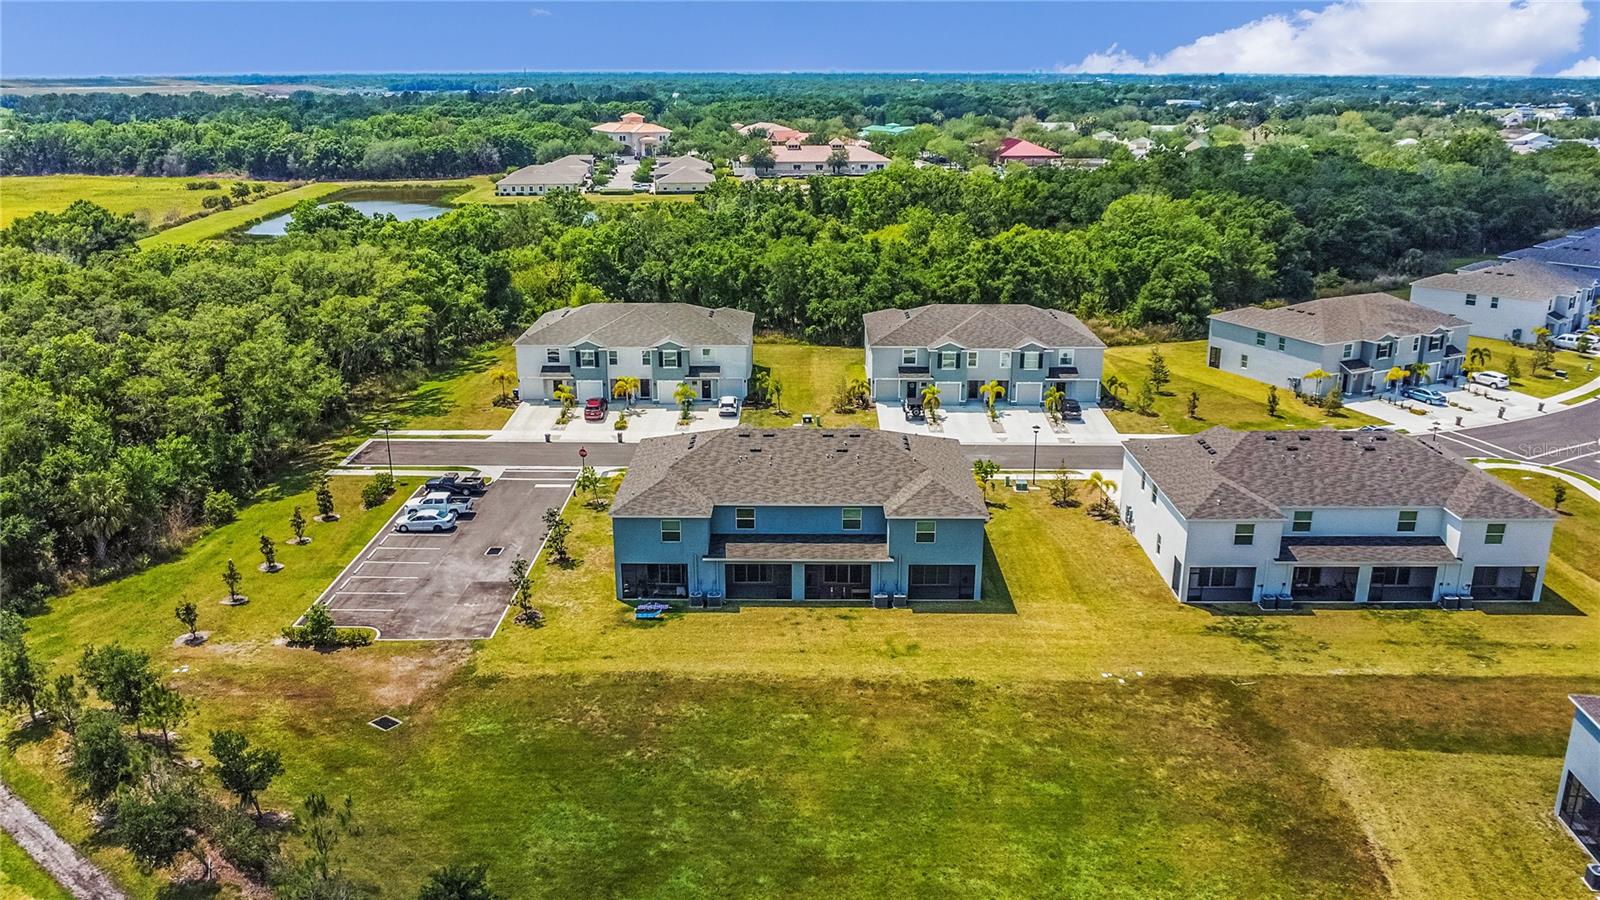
(799, 514)
(1578, 795)
(1578, 250)
(1512, 299)
(1328, 516)
(663, 345)
(1356, 339)
(960, 347)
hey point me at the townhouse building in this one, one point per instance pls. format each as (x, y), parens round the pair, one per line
(960, 347)
(1512, 299)
(1578, 793)
(799, 514)
(587, 348)
(1329, 517)
(1355, 339)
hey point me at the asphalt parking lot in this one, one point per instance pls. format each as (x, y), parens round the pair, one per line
(416, 587)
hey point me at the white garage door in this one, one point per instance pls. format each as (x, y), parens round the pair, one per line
(587, 389)
(1029, 393)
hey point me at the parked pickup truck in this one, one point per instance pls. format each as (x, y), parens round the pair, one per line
(458, 484)
(439, 500)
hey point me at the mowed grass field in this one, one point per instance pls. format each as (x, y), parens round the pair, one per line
(149, 199)
(812, 376)
(482, 191)
(1079, 733)
(1581, 370)
(22, 879)
(1225, 398)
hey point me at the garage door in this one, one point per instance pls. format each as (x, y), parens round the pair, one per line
(587, 389)
(1029, 393)
(950, 392)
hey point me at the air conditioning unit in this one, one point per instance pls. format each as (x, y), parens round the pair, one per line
(1591, 877)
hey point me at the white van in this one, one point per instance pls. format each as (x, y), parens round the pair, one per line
(1573, 340)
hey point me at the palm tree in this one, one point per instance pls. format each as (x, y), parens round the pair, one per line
(1317, 375)
(563, 395)
(625, 388)
(992, 393)
(100, 508)
(685, 397)
(1052, 401)
(1419, 371)
(502, 376)
(1480, 356)
(1115, 387)
(930, 401)
(1394, 376)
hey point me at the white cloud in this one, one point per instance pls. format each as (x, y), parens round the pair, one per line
(1583, 68)
(1378, 37)
(537, 12)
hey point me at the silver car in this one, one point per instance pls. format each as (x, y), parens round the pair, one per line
(728, 406)
(1492, 379)
(434, 520)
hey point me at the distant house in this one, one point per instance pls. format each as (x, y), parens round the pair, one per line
(1511, 299)
(1189, 104)
(587, 348)
(568, 172)
(799, 514)
(961, 347)
(637, 137)
(795, 158)
(681, 175)
(1017, 150)
(1578, 795)
(1355, 339)
(1578, 250)
(1329, 517)
(775, 133)
(890, 130)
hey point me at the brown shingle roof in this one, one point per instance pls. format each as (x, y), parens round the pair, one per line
(1224, 474)
(1523, 279)
(640, 325)
(1368, 549)
(908, 475)
(988, 326)
(1336, 320)
(799, 548)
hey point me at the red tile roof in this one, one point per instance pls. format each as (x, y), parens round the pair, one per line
(1017, 148)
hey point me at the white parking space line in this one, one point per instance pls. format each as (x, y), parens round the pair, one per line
(346, 609)
(560, 485)
(368, 593)
(381, 577)
(392, 562)
(419, 548)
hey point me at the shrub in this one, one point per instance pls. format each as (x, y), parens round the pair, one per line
(377, 490)
(319, 631)
(621, 424)
(242, 842)
(219, 508)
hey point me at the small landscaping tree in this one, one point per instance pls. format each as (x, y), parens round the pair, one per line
(1558, 494)
(458, 882)
(1160, 375)
(520, 594)
(231, 578)
(1544, 353)
(376, 490)
(244, 771)
(297, 524)
(556, 531)
(103, 759)
(1480, 357)
(625, 388)
(1102, 507)
(121, 677)
(992, 393)
(325, 499)
(1062, 488)
(1114, 388)
(189, 615)
(1316, 376)
(1272, 400)
(1053, 401)
(564, 395)
(1513, 368)
(588, 480)
(318, 629)
(930, 401)
(269, 552)
(1193, 405)
(161, 823)
(503, 377)
(22, 680)
(65, 702)
(164, 710)
(1394, 376)
(1144, 404)
(1334, 401)
(838, 160)
(984, 470)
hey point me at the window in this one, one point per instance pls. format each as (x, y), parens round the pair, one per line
(1436, 342)
(552, 355)
(1217, 576)
(1494, 302)
(972, 358)
(611, 357)
(1282, 343)
(1030, 359)
(586, 359)
(1127, 516)
(1244, 360)
(1408, 520)
(1005, 360)
(1472, 299)
(1494, 533)
(1158, 545)
(1244, 534)
(1416, 343)
(744, 518)
(1066, 357)
(645, 357)
(1261, 339)
(850, 518)
(948, 359)
(1141, 481)
(908, 357)
(1349, 352)
(1302, 521)
(932, 576)
(1385, 349)
(1154, 493)
(671, 531)
(705, 352)
(926, 531)
(669, 359)
(748, 573)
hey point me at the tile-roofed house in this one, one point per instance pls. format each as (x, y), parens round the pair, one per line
(960, 346)
(587, 348)
(1329, 515)
(1014, 149)
(641, 138)
(775, 133)
(799, 513)
(1358, 339)
(1511, 299)
(568, 172)
(1578, 791)
(795, 158)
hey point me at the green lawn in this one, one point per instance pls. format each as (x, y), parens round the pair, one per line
(1580, 369)
(812, 376)
(482, 191)
(1078, 733)
(152, 200)
(22, 879)
(218, 224)
(462, 396)
(1225, 398)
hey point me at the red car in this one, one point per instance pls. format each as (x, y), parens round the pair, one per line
(595, 409)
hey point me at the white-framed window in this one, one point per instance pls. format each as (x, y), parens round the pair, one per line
(1244, 534)
(1349, 352)
(669, 359)
(927, 531)
(1407, 520)
(1141, 481)
(1494, 533)
(1302, 521)
(850, 518)
(1244, 360)
(744, 518)
(1154, 493)
(611, 357)
(705, 352)
(586, 359)
(1066, 357)
(1261, 339)
(1005, 360)
(671, 531)
(1472, 299)
(948, 359)
(552, 355)
(644, 357)
(908, 356)
(1416, 343)
(1030, 360)
(972, 358)
(1282, 342)
(1158, 544)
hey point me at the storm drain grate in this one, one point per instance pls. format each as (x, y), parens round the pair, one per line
(494, 551)
(385, 723)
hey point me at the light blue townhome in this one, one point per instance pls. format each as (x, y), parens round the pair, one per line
(960, 346)
(1578, 797)
(1356, 340)
(799, 514)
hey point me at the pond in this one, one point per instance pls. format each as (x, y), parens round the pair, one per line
(404, 211)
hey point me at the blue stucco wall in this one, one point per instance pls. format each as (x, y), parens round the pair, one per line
(1583, 756)
(957, 542)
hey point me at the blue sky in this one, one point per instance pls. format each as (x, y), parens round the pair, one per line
(1436, 37)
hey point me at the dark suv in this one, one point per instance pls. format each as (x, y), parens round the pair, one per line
(1071, 409)
(458, 485)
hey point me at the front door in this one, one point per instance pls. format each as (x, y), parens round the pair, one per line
(706, 385)
(911, 390)
(644, 388)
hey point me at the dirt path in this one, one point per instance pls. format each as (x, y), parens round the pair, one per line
(79, 876)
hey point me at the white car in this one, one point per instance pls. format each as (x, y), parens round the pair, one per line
(434, 520)
(1574, 340)
(440, 501)
(728, 406)
(1492, 379)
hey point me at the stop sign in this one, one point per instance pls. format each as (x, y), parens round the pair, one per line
(582, 452)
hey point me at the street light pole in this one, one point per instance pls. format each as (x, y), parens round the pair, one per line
(388, 448)
(1035, 476)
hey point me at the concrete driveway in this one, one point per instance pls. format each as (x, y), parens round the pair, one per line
(1471, 406)
(532, 421)
(969, 424)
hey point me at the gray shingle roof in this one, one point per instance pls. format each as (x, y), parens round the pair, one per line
(640, 325)
(799, 548)
(568, 170)
(1524, 279)
(910, 476)
(1589, 704)
(986, 326)
(1337, 320)
(1580, 248)
(1368, 549)
(1224, 474)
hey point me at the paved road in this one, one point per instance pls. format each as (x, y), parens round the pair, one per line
(79, 876)
(1569, 438)
(538, 453)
